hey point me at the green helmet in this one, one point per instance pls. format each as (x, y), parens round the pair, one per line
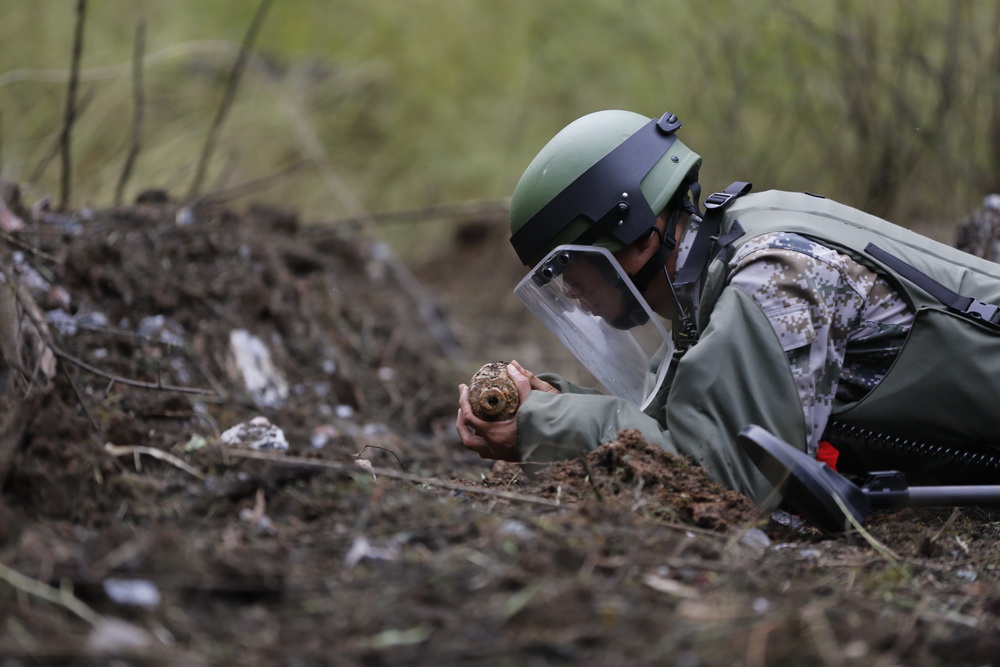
(601, 181)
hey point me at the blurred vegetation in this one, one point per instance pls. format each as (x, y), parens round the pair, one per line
(353, 106)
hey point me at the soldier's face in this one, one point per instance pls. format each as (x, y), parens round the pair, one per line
(595, 295)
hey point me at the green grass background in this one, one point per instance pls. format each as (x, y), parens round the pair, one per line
(393, 104)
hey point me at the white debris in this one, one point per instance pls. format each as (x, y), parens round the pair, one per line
(258, 433)
(135, 592)
(158, 327)
(992, 202)
(29, 276)
(322, 435)
(756, 539)
(252, 361)
(62, 321)
(114, 634)
(261, 522)
(361, 549)
(513, 528)
(94, 321)
(375, 429)
(68, 325)
(184, 217)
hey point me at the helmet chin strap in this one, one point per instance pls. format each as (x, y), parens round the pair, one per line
(658, 260)
(685, 331)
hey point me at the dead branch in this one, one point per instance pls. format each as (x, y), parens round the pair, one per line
(117, 379)
(53, 151)
(230, 94)
(394, 474)
(74, 81)
(159, 454)
(14, 241)
(138, 110)
(62, 596)
(71, 378)
(80, 363)
(384, 449)
(590, 477)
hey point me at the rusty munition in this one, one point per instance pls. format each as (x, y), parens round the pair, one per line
(492, 393)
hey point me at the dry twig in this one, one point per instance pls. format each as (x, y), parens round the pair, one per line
(394, 474)
(228, 97)
(590, 478)
(384, 449)
(166, 457)
(62, 596)
(137, 111)
(70, 115)
(54, 150)
(14, 241)
(159, 386)
(65, 356)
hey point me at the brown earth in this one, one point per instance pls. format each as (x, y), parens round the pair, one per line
(128, 530)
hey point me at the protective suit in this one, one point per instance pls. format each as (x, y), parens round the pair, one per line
(909, 352)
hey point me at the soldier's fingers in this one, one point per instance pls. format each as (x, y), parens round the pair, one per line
(533, 381)
(521, 381)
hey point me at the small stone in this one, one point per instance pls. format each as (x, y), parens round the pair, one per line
(258, 433)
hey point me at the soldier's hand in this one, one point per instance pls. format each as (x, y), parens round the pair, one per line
(534, 382)
(496, 440)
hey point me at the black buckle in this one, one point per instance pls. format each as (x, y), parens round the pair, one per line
(718, 199)
(983, 311)
(668, 123)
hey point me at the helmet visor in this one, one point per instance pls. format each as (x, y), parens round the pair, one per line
(582, 294)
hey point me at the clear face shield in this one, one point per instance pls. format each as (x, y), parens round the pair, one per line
(587, 300)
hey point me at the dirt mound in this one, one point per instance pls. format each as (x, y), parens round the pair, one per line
(634, 475)
(174, 323)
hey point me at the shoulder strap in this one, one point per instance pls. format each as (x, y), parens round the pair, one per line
(970, 307)
(708, 231)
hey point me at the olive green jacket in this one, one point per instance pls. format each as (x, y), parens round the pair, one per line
(737, 373)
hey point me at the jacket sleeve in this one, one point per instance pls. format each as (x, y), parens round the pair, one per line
(736, 375)
(553, 427)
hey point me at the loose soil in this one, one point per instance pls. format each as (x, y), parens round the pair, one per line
(130, 531)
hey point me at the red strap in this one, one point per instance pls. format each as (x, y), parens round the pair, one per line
(828, 454)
